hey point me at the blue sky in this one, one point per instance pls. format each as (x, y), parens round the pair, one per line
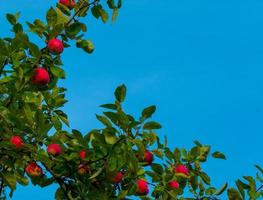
(200, 62)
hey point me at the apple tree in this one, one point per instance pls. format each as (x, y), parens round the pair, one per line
(124, 159)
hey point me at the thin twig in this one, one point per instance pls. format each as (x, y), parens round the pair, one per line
(80, 9)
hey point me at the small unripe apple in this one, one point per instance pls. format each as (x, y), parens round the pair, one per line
(33, 169)
(142, 187)
(148, 157)
(17, 141)
(83, 169)
(181, 169)
(55, 46)
(54, 149)
(173, 185)
(69, 3)
(40, 76)
(86, 45)
(82, 154)
(116, 178)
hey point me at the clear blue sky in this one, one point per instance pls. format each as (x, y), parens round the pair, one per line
(200, 62)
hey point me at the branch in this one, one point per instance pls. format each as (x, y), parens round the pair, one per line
(80, 9)
(2, 67)
(58, 180)
(260, 188)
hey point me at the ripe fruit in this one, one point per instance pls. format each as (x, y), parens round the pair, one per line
(142, 187)
(117, 178)
(148, 157)
(17, 141)
(181, 169)
(54, 149)
(41, 76)
(55, 46)
(32, 169)
(173, 184)
(82, 154)
(83, 169)
(69, 3)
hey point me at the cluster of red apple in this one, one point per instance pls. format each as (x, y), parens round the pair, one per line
(55, 46)
(41, 78)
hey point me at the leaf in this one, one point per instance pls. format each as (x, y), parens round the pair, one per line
(51, 17)
(259, 168)
(109, 106)
(147, 112)
(219, 155)
(152, 125)
(233, 194)
(97, 173)
(205, 178)
(120, 93)
(104, 120)
(115, 14)
(221, 190)
(58, 72)
(11, 18)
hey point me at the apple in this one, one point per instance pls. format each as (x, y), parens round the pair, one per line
(33, 169)
(69, 3)
(116, 178)
(54, 149)
(182, 169)
(17, 141)
(173, 184)
(82, 154)
(142, 187)
(55, 46)
(40, 77)
(148, 157)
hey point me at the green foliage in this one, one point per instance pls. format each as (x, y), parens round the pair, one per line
(34, 113)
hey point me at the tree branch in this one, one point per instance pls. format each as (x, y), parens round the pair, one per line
(58, 180)
(80, 9)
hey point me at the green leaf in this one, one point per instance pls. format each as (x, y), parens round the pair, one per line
(152, 125)
(51, 17)
(109, 106)
(221, 190)
(233, 194)
(205, 178)
(58, 72)
(259, 168)
(147, 112)
(104, 120)
(219, 155)
(120, 93)
(11, 18)
(57, 124)
(97, 173)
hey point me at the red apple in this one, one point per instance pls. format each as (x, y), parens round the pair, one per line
(142, 187)
(173, 184)
(82, 154)
(55, 46)
(17, 141)
(69, 3)
(148, 157)
(54, 149)
(41, 76)
(33, 169)
(117, 178)
(182, 169)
